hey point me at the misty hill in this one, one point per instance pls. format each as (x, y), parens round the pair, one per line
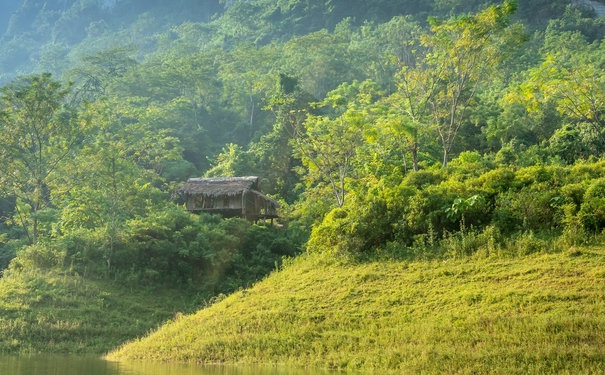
(50, 35)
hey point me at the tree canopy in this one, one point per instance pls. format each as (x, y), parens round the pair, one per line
(383, 128)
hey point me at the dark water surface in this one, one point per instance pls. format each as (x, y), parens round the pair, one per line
(72, 365)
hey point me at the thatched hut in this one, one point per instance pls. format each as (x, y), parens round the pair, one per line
(230, 197)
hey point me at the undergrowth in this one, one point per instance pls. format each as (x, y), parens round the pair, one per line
(51, 311)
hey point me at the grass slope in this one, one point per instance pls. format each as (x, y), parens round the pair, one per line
(531, 315)
(50, 312)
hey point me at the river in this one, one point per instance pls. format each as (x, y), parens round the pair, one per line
(73, 365)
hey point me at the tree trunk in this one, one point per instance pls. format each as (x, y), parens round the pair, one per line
(414, 151)
(35, 231)
(110, 253)
(252, 107)
(35, 209)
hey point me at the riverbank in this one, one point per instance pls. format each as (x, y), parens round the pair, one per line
(535, 314)
(51, 311)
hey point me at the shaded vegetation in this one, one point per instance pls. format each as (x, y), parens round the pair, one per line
(61, 312)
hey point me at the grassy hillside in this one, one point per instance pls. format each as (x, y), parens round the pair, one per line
(52, 312)
(538, 314)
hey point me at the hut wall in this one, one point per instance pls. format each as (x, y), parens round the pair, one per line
(191, 202)
(234, 202)
(221, 202)
(251, 204)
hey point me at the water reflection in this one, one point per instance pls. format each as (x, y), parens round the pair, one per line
(70, 365)
(55, 365)
(130, 368)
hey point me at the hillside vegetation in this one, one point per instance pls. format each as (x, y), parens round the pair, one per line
(450, 150)
(49, 35)
(540, 314)
(59, 312)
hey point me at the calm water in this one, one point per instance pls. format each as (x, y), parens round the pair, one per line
(69, 365)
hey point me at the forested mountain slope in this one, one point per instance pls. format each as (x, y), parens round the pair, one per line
(49, 35)
(387, 130)
(327, 102)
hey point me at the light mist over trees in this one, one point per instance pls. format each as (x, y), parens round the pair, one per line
(381, 127)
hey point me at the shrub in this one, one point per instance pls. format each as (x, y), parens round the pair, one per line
(592, 210)
(497, 180)
(39, 256)
(170, 247)
(365, 223)
(424, 178)
(574, 193)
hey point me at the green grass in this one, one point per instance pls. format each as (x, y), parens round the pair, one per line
(537, 314)
(52, 312)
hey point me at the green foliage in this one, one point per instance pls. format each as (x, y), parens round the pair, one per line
(567, 144)
(440, 82)
(592, 211)
(424, 178)
(98, 70)
(460, 213)
(346, 109)
(461, 206)
(577, 20)
(39, 135)
(233, 161)
(172, 247)
(328, 145)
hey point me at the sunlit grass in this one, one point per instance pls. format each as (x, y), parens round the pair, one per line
(543, 313)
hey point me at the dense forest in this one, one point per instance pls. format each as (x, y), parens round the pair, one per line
(386, 129)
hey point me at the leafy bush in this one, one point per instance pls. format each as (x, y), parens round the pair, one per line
(423, 178)
(39, 256)
(170, 247)
(455, 214)
(592, 210)
(365, 222)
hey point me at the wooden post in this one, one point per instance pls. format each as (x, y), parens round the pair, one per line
(243, 204)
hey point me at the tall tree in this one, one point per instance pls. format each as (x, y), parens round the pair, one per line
(246, 73)
(328, 145)
(116, 172)
(321, 59)
(458, 56)
(275, 161)
(38, 136)
(571, 75)
(97, 70)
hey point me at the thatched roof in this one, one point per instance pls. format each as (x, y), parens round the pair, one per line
(230, 186)
(225, 186)
(212, 187)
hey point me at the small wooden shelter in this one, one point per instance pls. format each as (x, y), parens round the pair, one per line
(230, 197)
